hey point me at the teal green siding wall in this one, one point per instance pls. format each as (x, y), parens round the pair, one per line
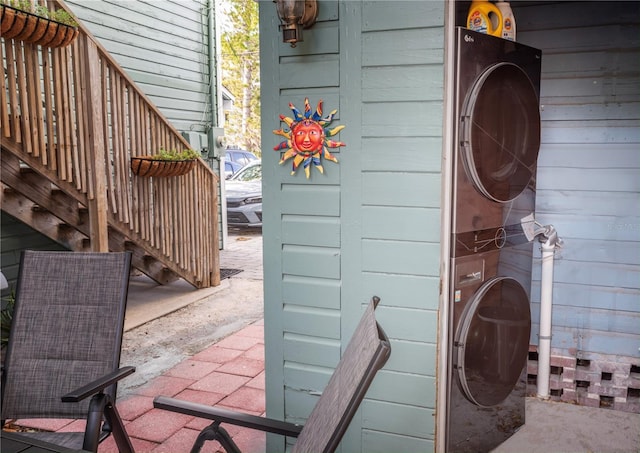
(162, 45)
(16, 237)
(367, 226)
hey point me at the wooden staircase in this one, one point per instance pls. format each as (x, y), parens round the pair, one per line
(71, 119)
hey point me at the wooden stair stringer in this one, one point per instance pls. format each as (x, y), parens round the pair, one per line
(25, 210)
(28, 195)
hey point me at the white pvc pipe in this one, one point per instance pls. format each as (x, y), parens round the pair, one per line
(546, 302)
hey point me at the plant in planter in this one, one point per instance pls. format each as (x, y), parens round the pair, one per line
(21, 20)
(165, 163)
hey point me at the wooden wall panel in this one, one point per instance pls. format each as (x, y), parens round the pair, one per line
(410, 324)
(320, 39)
(591, 343)
(307, 261)
(592, 296)
(401, 83)
(400, 387)
(594, 226)
(593, 273)
(400, 257)
(420, 372)
(401, 154)
(410, 291)
(311, 350)
(589, 155)
(369, 225)
(603, 131)
(589, 171)
(16, 236)
(400, 419)
(381, 442)
(572, 317)
(299, 376)
(311, 291)
(329, 95)
(311, 230)
(401, 14)
(590, 179)
(299, 403)
(160, 44)
(311, 321)
(408, 46)
(405, 224)
(408, 119)
(401, 189)
(601, 251)
(314, 71)
(301, 199)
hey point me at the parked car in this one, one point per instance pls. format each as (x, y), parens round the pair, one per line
(239, 156)
(231, 168)
(244, 196)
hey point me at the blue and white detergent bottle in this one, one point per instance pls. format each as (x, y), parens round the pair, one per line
(485, 17)
(508, 21)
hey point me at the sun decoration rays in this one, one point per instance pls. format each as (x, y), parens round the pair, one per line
(307, 138)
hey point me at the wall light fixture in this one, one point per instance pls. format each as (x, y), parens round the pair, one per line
(295, 15)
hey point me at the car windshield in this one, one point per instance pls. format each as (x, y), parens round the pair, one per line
(251, 173)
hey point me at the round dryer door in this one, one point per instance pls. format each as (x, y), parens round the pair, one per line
(492, 341)
(500, 132)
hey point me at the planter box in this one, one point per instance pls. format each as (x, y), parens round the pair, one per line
(23, 26)
(147, 166)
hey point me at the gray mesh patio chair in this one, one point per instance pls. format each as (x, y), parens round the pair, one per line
(65, 343)
(366, 353)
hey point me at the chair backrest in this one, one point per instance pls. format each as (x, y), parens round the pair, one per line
(367, 352)
(67, 329)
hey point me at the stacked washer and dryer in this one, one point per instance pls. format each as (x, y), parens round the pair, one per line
(497, 139)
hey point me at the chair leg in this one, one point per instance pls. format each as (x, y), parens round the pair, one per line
(117, 429)
(94, 422)
(215, 432)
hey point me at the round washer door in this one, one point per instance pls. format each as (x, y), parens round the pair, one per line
(492, 341)
(500, 132)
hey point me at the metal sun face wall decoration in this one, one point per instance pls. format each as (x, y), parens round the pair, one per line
(307, 138)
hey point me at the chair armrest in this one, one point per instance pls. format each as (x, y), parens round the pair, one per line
(98, 385)
(227, 416)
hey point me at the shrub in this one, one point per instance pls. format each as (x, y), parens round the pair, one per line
(58, 15)
(187, 154)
